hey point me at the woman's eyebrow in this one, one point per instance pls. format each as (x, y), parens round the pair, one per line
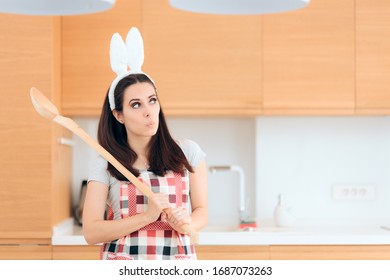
(138, 99)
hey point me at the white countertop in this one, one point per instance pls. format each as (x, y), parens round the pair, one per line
(68, 234)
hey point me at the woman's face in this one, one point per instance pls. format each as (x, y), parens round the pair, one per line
(140, 114)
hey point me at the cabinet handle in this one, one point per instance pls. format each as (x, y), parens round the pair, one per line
(66, 141)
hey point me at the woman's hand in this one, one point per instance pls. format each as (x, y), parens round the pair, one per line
(177, 218)
(156, 204)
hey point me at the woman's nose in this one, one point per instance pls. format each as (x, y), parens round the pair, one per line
(147, 113)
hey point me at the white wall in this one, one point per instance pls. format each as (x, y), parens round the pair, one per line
(302, 157)
(226, 141)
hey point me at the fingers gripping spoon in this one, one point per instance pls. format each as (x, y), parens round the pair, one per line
(48, 110)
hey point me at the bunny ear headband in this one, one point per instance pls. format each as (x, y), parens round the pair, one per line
(125, 58)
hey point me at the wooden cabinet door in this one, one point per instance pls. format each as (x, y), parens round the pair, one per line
(309, 59)
(26, 59)
(25, 252)
(225, 252)
(203, 64)
(328, 252)
(82, 252)
(86, 69)
(372, 56)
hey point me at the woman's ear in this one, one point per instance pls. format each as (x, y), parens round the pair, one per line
(118, 116)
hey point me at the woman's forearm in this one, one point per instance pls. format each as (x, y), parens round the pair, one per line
(107, 230)
(199, 218)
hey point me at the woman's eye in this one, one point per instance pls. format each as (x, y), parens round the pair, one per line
(135, 105)
(153, 100)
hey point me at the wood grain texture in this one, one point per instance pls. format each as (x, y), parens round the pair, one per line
(86, 70)
(250, 252)
(372, 56)
(309, 59)
(328, 252)
(90, 252)
(35, 180)
(203, 64)
(25, 138)
(28, 252)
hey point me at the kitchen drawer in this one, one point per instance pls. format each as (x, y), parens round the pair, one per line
(330, 252)
(25, 252)
(81, 252)
(245, 252)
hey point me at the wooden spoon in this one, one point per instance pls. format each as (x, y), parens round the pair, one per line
(48, 110)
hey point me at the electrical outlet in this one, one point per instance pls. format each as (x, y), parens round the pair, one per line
(353, 192)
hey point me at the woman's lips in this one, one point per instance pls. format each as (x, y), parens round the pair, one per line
(151, 124)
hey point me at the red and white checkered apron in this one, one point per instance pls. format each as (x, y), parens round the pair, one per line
(158, 240)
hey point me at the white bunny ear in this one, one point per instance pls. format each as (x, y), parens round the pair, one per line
(135, 50)
(118, 54)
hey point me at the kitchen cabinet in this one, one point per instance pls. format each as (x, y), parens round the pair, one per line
(86, 69)
(25, 252)
(203, 64)
(329, 252)
(309, 60)
(35, 178)
(330, 58)
(92, 252)
(251, 252)
(76, 252)
(294, 252)
(372, 56)
(236, 252)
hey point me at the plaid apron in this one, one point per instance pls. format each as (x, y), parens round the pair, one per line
(158, 240)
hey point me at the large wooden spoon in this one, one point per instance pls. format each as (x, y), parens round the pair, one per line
(48, 110)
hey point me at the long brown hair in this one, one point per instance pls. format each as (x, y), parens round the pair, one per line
(164, 153)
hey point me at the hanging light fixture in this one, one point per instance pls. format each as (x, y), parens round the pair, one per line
(238, 7)
(55, 7)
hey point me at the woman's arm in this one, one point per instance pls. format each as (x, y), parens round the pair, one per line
(97, 230)
(199, 196)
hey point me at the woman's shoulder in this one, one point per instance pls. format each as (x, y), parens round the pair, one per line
(192, 151)
(187, 144)
(98, 170)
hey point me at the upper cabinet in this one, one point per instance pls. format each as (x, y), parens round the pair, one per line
(309, 59)
(373, 56)
(330, 58)
(86, 70)
(203, 64)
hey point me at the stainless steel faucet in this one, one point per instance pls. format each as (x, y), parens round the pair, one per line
(235, 168)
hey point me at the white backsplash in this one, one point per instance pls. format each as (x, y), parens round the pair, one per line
(301, 157)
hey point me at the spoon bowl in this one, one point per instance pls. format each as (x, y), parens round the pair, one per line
(43, 105)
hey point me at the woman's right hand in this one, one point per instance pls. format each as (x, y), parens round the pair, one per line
(156, 204)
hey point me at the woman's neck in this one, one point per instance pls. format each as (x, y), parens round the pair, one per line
(141, 147)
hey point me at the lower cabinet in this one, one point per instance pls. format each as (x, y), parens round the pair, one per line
(25, 252)
(330, 252)
(223, 252)
(81, 252)
(203, 252)
(238, 252)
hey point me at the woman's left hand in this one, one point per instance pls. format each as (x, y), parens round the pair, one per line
(177, 218)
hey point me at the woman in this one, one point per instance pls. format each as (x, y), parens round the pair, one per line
(136, 134)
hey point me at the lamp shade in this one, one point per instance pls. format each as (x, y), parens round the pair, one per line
(238, 7)
(54, 7)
